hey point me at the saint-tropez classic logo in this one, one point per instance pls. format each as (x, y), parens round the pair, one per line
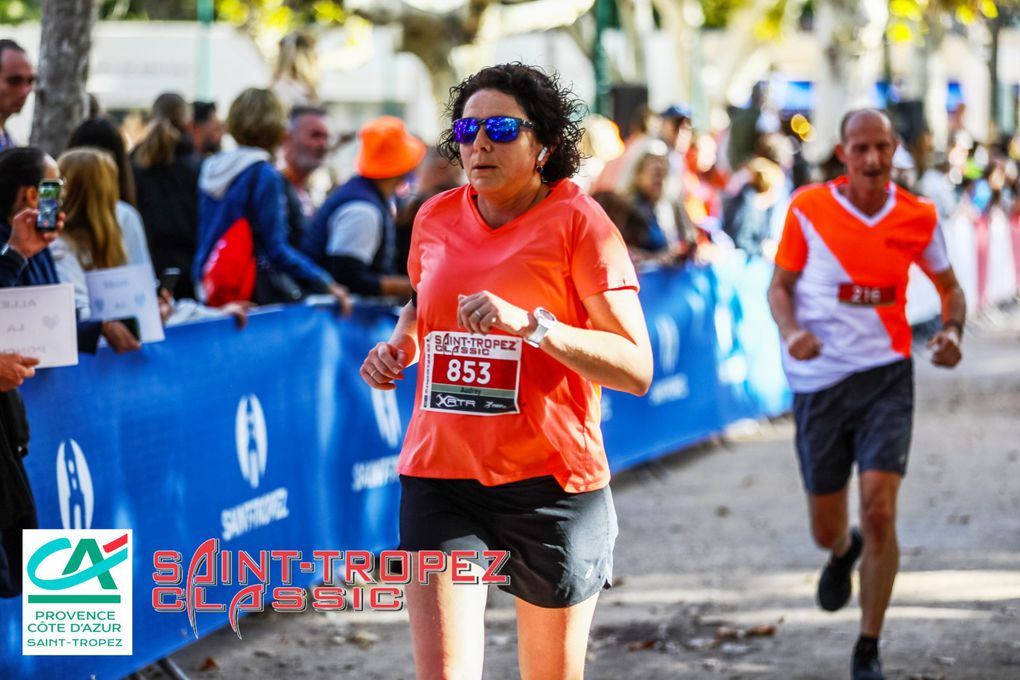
(74, 487)
(669, 386)
(669, 343)
(251, 440)
(250, 432)
(77, 592)
(387, 416)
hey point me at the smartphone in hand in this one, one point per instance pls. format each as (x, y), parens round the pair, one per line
(133, 325)
(168, 279)
(49, 204)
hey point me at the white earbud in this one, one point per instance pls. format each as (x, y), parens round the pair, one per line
(542, 153)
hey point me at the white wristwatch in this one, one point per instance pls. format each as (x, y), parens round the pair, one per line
(544, 320)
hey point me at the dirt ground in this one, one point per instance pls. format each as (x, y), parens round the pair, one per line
(716, 570)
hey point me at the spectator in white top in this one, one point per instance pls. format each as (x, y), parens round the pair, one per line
(103, 134)
(92, 238)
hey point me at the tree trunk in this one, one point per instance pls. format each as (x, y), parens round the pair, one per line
(681, 36)
(60, 98)
(850, 32)
(932, 73)
(433, 36)
(994, 116)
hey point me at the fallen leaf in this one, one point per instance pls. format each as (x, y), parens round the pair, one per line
(640, 645)
(209, 664)
(364, 639)
(764, 630)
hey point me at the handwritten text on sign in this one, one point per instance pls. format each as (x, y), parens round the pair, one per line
(124, 292)
(39, 321)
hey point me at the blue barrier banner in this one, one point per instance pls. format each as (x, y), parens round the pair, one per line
(267, 438)
(681, 406)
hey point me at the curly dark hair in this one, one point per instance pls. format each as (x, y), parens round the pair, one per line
(551, 106)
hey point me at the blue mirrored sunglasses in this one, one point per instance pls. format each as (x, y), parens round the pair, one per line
(497, 128)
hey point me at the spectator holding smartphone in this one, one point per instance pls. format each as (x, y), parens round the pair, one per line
(21, 171)
(21, 243)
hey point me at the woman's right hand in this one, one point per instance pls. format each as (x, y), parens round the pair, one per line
(343, 298)
(384, 364)
(26, 238)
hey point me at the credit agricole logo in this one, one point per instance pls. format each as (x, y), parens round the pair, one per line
(77, 592)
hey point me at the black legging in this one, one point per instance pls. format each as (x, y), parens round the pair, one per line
(17, 505)
(10, 542)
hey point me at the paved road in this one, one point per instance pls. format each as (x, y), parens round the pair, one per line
(714, 545)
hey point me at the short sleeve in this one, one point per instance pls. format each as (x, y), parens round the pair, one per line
(355, 230)
(418, 228)
(792, 252)
(599, 260)
(935, 258)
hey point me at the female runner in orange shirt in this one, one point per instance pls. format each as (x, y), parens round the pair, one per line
(525, 305)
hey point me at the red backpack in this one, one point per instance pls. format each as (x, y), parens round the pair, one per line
(229, 272)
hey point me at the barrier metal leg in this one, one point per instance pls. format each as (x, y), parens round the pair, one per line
(167, 665)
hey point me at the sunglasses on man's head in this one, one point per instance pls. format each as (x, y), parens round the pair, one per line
(497, 128)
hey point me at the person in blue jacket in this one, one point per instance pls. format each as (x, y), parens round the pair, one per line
(243, 183)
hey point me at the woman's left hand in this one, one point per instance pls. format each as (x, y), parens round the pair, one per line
(484, 312)
(166, 304)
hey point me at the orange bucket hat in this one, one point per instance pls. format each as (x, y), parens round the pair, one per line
(388, 149)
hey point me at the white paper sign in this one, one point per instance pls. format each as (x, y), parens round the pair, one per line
(126, 291)
(39, 321)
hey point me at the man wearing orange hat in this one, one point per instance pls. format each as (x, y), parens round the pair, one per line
(353, 235)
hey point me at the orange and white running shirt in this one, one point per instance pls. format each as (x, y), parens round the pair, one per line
(854, 268)
(491, 407)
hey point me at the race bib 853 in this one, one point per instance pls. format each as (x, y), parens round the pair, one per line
(471, 374)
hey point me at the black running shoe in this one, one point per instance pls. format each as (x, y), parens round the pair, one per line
(867, 667)
(834, 586)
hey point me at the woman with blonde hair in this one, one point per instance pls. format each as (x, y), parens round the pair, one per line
(669, 236)
(296, 76)
(92, 238)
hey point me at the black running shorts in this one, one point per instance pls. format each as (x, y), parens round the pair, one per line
(866, 418)
(560, 543)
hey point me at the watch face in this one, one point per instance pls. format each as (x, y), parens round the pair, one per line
(544, 314)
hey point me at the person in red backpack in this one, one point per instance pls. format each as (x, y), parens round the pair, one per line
(243, 253)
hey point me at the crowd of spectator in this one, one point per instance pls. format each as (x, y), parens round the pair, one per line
(230, 205)
(675, 192)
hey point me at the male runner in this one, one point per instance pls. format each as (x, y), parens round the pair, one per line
(838, 297)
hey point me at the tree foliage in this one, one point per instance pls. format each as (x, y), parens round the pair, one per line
(274, 14)
(912, 20)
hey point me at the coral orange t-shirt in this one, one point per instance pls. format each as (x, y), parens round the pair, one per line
(534, 416)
